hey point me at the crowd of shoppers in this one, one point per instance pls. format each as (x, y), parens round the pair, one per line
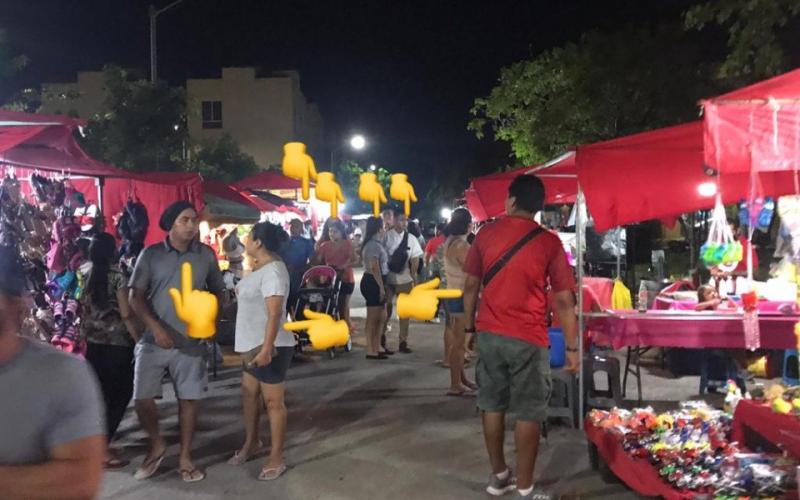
(59, 435)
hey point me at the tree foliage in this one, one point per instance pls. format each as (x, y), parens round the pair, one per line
(222, 160)
(754, 34)
(603, 86)
(10, 63)
(140, 126)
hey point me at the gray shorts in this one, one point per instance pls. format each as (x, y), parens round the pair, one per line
(513, 375)
(186, 366)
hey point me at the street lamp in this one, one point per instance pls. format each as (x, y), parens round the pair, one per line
(373, 167)
(446, 213)
(154, 13)
(357, 142)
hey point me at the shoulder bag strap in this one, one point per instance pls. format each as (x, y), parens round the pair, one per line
(500, 264)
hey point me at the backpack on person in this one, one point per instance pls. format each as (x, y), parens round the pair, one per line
(399, 259)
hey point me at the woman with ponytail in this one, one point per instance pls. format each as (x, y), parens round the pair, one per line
(110, 331)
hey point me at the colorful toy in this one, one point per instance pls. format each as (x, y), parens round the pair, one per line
(402, 190)
(323, 332)
(782, 406)
(197, 308)
(328, 190)
(733, 396)
(721, 249)
(370, 191)
(298, 165)
(423, 301)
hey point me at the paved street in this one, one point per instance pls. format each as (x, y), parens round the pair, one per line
(361, 429)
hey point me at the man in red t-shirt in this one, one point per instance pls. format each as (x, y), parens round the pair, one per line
(513, 370)
(434, 244)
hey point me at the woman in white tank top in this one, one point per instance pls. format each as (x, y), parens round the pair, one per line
(455, 253)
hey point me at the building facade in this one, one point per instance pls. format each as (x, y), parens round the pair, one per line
(260, 113)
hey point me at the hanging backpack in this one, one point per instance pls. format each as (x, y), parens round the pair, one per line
(132, 228)
(399, 259)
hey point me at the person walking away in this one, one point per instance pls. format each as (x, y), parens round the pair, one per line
(433, 246)
(53, 443)
(266, 348)
(513, 260)
(110, 331)
(296, 254)
(373, 286)
(338, 253)
(404, 254)
(455, 253)
(164, 345)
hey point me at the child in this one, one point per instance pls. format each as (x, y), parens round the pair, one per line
(708, 300)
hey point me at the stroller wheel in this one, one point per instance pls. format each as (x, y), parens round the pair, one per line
(331, 353)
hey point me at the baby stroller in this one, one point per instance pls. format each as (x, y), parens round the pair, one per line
(319, 292)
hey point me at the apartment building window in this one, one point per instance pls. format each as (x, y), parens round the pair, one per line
(212, 114)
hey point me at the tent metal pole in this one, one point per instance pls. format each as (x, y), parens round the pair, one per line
(580, 235)
(619, 252)
(100, 182)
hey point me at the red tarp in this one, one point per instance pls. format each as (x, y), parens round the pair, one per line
(656, 174)
(232, 193)
(756, 126)
(486, 196)
(267, 180)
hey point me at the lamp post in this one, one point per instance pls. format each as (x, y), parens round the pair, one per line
(153, 13)
(357, 143)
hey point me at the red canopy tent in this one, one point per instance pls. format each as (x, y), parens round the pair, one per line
(486, 195)
(755, 127)
(237, 195)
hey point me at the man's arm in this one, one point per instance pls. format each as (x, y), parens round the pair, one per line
(471, 289)
(73, 472)
(564, 304)
(140, 306)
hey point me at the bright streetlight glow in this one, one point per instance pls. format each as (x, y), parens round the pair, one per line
(358, 142)
(707, 189)
(373, 167)
(446, 213)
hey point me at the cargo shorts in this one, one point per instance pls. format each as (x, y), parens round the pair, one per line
(186, 367)
(513, 376)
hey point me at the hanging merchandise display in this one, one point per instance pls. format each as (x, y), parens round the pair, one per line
(721, 250)
(132, 227)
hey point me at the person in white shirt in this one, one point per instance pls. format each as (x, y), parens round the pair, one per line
(265, 346)
(403, 280)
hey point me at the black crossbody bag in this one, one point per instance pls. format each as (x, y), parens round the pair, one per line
(500, 264)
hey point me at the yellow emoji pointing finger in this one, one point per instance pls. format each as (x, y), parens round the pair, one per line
(323, 331)
(402, 190)
(298, 165)
(370, 191)
(328, 190)
(196, 308)
(423, 301)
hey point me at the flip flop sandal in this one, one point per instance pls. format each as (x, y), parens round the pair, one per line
(461, 394)
(272, 473)
(116, 463)
(192, 475)
(239, 458)
(146, 471)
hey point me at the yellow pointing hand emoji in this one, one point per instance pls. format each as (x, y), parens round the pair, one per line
(298, 165)
(423, 300)
(196, 308)
(328, 190)
(370, 190)
(402, 190)
(323, 331)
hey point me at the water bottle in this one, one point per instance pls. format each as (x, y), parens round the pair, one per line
(643, 296)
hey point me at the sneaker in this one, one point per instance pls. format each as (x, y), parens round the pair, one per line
(536, 494)
(404, 348)
(499, 487)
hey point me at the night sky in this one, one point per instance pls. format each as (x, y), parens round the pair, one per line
(403, 73)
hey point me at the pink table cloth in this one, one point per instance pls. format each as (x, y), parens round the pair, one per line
(764, 306)
(696, 330)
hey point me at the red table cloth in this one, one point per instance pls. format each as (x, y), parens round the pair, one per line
(695, 330)
(638, 474)
(780, 430)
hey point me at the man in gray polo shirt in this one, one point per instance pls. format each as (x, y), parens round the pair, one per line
(53, 440)
(164, 345)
